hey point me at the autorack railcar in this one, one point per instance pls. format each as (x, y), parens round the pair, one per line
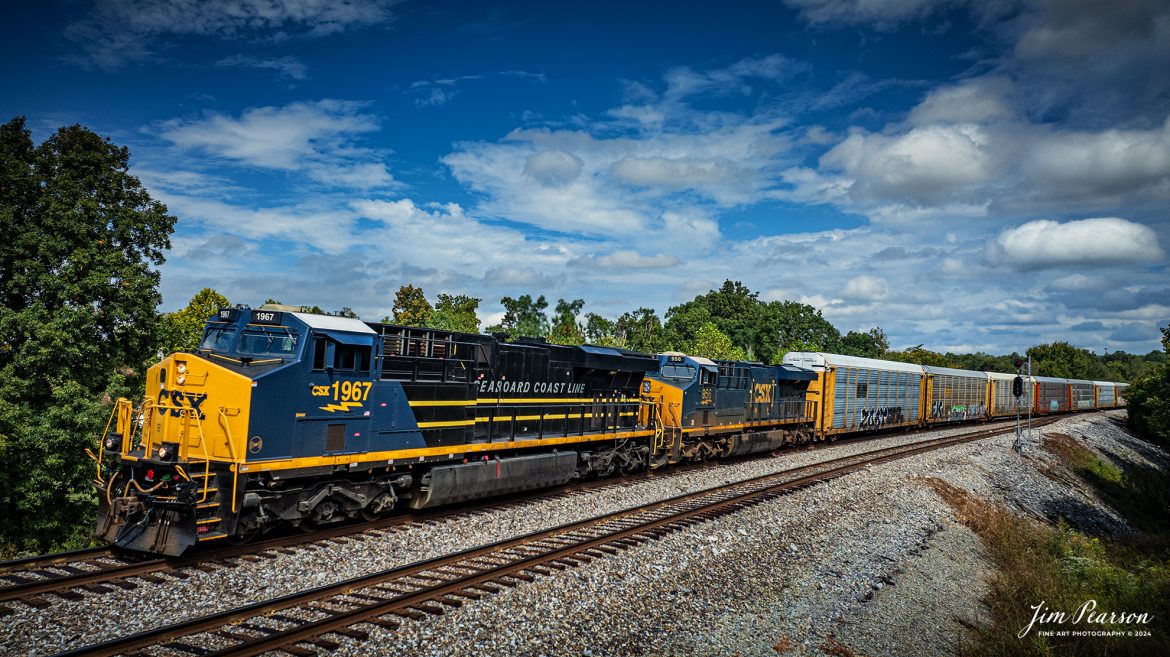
(1052, 395)
(954, 395)
(1001, 400)
(861, 394)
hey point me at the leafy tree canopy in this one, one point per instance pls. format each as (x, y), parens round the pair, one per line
(80, 241)
(641, 330)
(411, 307)
(184, 327)
(710, 342)
(565, 328)
(523, 317)
(456, 313)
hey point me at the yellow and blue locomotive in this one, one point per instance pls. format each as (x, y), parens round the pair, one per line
(304, 419)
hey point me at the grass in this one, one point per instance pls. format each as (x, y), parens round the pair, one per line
(1063, 567)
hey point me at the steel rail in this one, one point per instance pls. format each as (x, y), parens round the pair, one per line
(564, 546)
(107, 577)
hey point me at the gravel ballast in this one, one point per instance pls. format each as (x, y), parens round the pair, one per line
(843, 559)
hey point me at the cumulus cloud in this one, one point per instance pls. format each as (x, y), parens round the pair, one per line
(924, 165)
(627, 259)
(865, 289)
(1044, 243)
(311, 137)
(553, 168)
(119, 32)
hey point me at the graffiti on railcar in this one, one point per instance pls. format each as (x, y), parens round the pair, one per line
(941, 410)
(872, 418)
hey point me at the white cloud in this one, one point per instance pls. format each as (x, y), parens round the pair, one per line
(923, 165)
(120, 32)
(553, 168)
(311, 137)
(1045, 243)
(627, 259)
(865, 289)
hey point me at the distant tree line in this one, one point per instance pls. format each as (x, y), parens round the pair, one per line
(81, 241)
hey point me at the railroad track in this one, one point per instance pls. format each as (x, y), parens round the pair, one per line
(298, 623)
(37, 581)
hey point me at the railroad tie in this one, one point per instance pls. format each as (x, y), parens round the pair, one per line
(35, 601)
(297, 651)
(186, 647)
(323, 643)
(234, 636)
(352, 632)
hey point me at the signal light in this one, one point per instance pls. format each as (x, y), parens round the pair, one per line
(150, 474)
(1018, 386)
(1019, 363)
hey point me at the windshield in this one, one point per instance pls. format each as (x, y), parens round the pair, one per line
(218, 339)
(679, 372)
(268, 342)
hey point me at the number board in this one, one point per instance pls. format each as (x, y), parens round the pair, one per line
(675, 359)
(266, 317)
(225, 314)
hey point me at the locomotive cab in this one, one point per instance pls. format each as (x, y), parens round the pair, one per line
(181, 462)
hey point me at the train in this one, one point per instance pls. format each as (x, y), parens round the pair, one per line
(287, 418)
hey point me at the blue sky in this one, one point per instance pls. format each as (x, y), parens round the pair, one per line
(966, 175)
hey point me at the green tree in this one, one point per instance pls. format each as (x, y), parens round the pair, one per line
(347, 312)
(601, 331)
(797, 327)
(710, 342)
(184, 328)
(920, 356)
(456, 313)
(81, 242)
(1148, 400)
(871, 344)
(1061, 359)
(523, 317)
(640, 330)
(565, 328)
(683, 323)
(411, 307)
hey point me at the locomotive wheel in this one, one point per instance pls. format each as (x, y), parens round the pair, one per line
(247, 529)
(378, 508)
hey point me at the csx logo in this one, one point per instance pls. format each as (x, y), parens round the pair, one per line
(763, 393)
(174, 402)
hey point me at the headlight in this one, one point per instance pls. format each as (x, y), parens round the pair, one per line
(181, 378)
(113, 441)
(164, 452)
(182, 367)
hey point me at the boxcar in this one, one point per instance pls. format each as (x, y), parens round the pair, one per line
(1106, 394)
(1081, 395)
(955, 395)
(1000, 400)
(1051, 395)
(861, 394)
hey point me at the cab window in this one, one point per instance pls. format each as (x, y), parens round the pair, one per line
(265, 342)
(678, 372)
(351, 358)
(218, 339)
